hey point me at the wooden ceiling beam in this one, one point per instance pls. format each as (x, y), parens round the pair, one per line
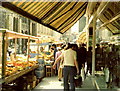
(102, 7)
(109, 21)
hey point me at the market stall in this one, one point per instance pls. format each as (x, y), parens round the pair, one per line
(82, 38)
(16, 66)
(44, 55)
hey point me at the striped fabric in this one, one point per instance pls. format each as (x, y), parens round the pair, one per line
(59, 16)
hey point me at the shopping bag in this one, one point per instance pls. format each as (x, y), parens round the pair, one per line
(78, 81)
(83, 74)
(107, 74)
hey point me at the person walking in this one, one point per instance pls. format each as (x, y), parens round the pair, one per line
(58, 53)
(81, 57)
(70, 66)
(98, 57)
(60, 70)
(89, 60)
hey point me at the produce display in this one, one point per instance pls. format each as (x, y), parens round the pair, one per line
(15, 66)
(46, 57)
(21, 63)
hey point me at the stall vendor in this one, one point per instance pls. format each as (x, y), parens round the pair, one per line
(13, 57)
(42, 50)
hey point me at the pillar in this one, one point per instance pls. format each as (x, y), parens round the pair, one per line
(87, 32)
(93, 48)
(20, 30)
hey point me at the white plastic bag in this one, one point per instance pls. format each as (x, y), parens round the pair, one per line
(107, 74)
(83, 74)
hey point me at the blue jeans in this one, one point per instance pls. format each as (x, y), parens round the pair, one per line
(68, 76)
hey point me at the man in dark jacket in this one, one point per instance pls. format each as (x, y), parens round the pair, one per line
(81, 56)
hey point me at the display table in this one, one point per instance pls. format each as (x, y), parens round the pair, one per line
(18, 74)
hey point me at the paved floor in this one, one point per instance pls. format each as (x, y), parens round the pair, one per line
(100, 80)
(52, 83)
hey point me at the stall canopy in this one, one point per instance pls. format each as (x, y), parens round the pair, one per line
(82, 37)
(59, 16)
(111, 11)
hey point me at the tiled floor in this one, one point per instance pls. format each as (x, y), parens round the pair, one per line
(50, 83)
(100, 80)
(53, 83)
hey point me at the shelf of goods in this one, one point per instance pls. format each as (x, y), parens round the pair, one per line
(20, 73)
(42, 57)
(15, 65)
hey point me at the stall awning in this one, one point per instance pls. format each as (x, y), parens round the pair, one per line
(59, 16)
(82, 37)
(112, 11)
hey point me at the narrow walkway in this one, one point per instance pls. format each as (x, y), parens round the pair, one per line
(88, 83)
(52, 83)
(102, 86)
(100, 80)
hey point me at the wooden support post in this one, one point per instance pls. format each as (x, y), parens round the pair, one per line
(87, 32)
(5, 54)
(109, 21)
(28, 49)
(93, 48)
(102, 7)
(15, 47)
(38, 49)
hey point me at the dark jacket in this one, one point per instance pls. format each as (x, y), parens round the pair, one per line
(81, 56)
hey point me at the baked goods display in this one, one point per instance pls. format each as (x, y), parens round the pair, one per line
(21, 63)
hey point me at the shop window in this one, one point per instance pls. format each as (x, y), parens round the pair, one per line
(34, 32)
(15, 24)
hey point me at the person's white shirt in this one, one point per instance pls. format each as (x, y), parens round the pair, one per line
(69, 57)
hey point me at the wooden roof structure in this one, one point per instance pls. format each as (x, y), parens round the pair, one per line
(108, 13)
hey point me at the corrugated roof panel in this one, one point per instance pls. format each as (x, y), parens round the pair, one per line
(110, 26)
